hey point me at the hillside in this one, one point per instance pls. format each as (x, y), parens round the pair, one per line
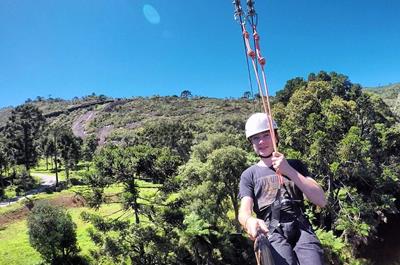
(5, 113)
(112, 119)
(390, 95)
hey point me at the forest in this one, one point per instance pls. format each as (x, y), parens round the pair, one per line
(168, 169)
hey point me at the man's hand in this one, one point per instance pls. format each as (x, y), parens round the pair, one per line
(281, 165)
(254, 226)
(307, 185)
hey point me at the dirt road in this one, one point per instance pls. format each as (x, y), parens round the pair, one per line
(46, 181)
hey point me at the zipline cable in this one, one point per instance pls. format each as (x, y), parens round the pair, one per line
(250, 52)
(238, 16)
(252, 17)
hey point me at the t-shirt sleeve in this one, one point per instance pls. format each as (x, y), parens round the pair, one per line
(246, 185)
(300, 167)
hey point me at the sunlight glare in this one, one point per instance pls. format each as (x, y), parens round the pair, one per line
(151, 14)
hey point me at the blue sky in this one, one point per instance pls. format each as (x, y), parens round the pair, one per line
(125, 48)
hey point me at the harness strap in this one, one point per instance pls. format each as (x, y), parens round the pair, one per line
(276, 207)
(274, 210)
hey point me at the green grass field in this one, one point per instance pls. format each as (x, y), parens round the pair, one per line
(15, 247)
(14, 240)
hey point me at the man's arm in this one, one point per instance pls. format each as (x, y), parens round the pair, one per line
(310, 188)
(307, 185)
(250, 223)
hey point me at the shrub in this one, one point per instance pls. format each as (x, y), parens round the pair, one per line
(52, 233)
(23, 180)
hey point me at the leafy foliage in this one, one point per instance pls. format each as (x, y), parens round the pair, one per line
(22, 133)
(171, 134)
(22, 179)
(341, 134)
(53, 234)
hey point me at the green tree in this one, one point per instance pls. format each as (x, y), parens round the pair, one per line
(125, 166)
(291, 86)
(3, 165)
(167, 133)
(342, 134)
(52, 233)
(140, 243)
(90, 145)
(60, 143)
(186, 94)
(68, 147)
(22, 132)
(52, 147)
(225, 165)
(45, 145)
(208, 188)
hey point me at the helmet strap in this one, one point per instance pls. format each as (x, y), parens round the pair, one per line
(268, 156)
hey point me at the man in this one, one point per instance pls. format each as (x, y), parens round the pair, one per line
(278, 208)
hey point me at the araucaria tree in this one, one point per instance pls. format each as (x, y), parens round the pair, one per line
(128, 166)
(22, 132)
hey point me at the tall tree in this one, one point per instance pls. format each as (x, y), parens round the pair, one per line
(225, 165)
(22, 132)
(46, 145)
(208, 190)
(90, 145)
(186, 94)
(125, 166)
(3, 166)
(68, 146)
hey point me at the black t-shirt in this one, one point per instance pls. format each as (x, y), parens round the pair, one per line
(261, 184)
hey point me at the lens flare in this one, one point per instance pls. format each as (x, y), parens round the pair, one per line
(151, 14)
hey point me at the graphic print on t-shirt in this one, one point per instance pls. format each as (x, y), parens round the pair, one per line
(268, 185)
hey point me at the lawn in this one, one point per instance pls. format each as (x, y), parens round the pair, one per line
(14, 240)
(14, 245)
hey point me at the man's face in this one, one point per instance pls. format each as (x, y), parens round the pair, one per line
(262, 144)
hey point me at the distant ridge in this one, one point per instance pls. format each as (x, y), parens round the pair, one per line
(113, 120)
(119, 116)
(390, 95)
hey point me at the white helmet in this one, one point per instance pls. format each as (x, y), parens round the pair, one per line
(258, 122)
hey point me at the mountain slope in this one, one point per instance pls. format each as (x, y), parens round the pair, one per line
(390, 95)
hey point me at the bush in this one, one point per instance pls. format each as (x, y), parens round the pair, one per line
(23, 180)
(53, 234)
